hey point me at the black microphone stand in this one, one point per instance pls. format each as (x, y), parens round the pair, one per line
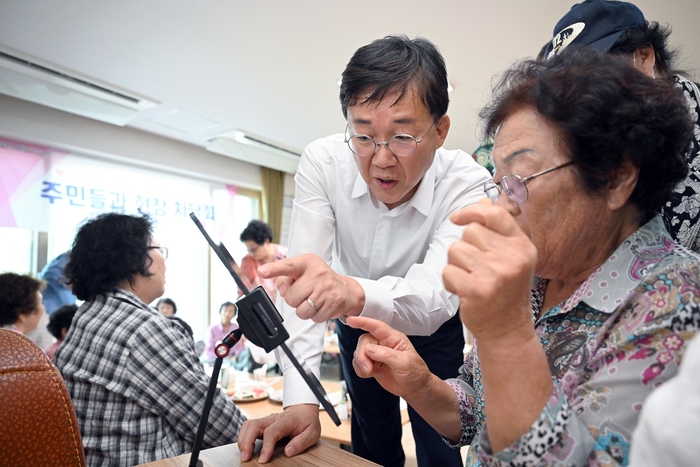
(221, 350)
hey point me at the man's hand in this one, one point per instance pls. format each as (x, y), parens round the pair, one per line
(299, 422)
(389, 357)
(317, 292)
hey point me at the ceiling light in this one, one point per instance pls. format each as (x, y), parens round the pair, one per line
(26, 79)
(255, 150)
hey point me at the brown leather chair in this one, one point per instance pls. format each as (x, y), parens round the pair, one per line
(38, 426)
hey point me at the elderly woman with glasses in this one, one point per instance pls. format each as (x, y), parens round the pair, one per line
(579, 300)
(133, 375)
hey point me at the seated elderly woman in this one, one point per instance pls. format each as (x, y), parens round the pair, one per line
(21, 305)
(135, 380)
(217, 331)
(586, 152)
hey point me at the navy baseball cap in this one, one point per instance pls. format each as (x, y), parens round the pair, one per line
(594, 23)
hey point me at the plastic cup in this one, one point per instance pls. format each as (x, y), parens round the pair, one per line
(259, 374)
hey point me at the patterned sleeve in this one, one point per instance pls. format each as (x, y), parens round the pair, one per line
(470, 411)
(682, 210)
(589, 419)
(168, 378)
(557, 437)
(539, 446)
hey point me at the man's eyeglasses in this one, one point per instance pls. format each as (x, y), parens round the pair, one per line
(514, 186)
(399, 145)
(163, 250)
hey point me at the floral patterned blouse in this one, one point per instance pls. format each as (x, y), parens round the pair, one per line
(620, 335)
(682, 211)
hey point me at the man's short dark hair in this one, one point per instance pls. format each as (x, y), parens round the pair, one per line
(257, 231)
(60, 319)
(606, 112)
(17, 296)
(396, 64)
(108, 249)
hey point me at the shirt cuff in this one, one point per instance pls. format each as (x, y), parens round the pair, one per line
(296, 391)
(546, 442)
(379, 304)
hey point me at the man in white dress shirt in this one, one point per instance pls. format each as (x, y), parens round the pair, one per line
(370, 231)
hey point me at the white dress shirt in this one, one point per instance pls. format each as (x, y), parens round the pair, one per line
(397, 255)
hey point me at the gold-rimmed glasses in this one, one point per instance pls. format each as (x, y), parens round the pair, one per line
(514, 186)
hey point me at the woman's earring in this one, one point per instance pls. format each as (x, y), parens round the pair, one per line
(634, 59)
(653, 75)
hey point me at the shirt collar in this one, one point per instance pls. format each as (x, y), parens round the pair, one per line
(122, 294)
(421, 200)
(612, 282)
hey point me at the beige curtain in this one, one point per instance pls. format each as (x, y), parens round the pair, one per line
(273, 200)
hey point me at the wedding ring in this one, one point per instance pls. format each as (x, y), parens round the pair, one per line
(311, 304)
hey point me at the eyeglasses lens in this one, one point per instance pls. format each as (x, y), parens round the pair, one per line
(399, 145)
(514, 187)
(362, 145)
(402, 145)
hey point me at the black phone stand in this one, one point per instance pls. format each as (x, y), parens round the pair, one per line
(222, 350)
(260, 321)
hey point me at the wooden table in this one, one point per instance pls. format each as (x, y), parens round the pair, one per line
(321, 455)
(329, 431)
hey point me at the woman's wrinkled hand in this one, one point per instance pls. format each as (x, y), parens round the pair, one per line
(388, 356)
(491, 269)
